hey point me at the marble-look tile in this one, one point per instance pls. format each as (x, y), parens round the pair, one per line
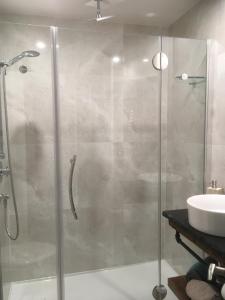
(218, 166)
(216, 85)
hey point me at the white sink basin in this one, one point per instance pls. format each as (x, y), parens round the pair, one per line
(206, 213)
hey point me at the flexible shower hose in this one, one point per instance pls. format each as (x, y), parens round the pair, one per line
(16, 234)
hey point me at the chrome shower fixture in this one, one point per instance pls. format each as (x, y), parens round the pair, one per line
(8, 171)
(29, 53)
(99, 16)
(192, 80)
(185, 76)
(159, 292)
(23, 69)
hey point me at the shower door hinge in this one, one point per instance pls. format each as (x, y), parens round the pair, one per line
(160, 61)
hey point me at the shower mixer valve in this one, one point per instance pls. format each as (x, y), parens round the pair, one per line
(4, 197)
(4, 171)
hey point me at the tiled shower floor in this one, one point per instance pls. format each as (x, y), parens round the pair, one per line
(125, 283)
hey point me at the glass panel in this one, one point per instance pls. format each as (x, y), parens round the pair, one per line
(30, 120)
(184, 104)
(109, 110)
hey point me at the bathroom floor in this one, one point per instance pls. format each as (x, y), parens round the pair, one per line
(125, 283)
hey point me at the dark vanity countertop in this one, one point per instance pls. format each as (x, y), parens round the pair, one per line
(214, 246)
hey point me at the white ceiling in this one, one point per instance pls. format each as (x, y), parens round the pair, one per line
(165, 12)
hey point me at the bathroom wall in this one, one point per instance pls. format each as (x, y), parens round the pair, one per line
(207, 21)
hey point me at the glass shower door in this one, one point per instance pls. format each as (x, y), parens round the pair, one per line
(28, 261)
(184, 154)
(110, 120)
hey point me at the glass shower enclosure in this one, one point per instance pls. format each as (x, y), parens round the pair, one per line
(100, 143)
(109, 119)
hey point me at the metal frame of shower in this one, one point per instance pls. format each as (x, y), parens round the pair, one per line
(58, 168)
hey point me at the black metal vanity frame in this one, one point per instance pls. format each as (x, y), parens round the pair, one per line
(212, 245)
(186, 247)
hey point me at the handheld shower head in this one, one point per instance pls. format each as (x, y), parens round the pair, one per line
(29, 53)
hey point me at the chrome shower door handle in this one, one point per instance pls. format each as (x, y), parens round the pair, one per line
(72, 204)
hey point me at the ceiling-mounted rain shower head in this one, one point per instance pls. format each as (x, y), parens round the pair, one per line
(99, 16)
(29, 53)
(105, 3)
(92, 3)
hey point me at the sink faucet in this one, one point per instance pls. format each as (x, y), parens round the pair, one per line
(215, 271)
(214, 189)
